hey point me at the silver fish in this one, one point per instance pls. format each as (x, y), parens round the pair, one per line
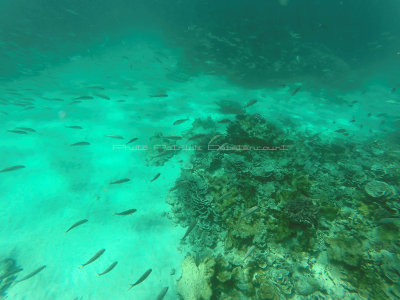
(249, 252)
(112, 266)
(77, 224)
(81, 144)
(96, 256)
(162, 293)
(141, 279)
(120, 181)
(32, 274)
(12, 168)
(249, 212)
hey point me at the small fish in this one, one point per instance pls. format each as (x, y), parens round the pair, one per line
(369, 114)
(249, 212)
(32, 274)
(131, 141)
(173, 137)
(141, 279)
(10, 273)
(178, 184)
(74, 127)
(126, 212)
(296, 90)
(341, 130)
(102, 96)
(12, 168)
(96, 256)
(177, 122)
(394, 90)
(77, 224)
(250, 103)
(249, 252)
(83, 98)
(114, 136)
(224, 121)
(17, 131)
(196, 136)
(352, 121)
(112, 266)
(162, 293)
(216, 137)
(161, 95)
(26, 129)
(81, 144)
(189, 230)
(224, 196)
(155, 177)
(120, 181)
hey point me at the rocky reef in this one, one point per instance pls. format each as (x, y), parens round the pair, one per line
(275, 214)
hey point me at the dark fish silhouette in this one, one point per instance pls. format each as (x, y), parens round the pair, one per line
(141, 279)
(26, 129)
(341, 130)
(102, 96)
(162, 293)
(126, 212)
(155, 177)
(96, 256)
(83, 98)
(162, 95)
(131, 141)
(77, 224)
(17, 131)
(32, 274)
(81, 144)
(173, 137)
(12, 168)
(114, 136)
(74, 127)
(189, 230)
(177, 122)
(296, 90)
(112, 266)
(120, 181)
(196, 136)
(250, 103)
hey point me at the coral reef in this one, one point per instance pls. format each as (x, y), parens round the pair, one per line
(311, 222)
(195, 281)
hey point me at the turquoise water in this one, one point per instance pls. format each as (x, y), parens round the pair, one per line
(222, 150)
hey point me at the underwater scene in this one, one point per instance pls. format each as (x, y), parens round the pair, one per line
(199, 149)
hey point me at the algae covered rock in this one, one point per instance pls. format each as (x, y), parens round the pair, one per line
(195, 282)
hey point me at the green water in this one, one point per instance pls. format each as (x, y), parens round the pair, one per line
(199, 149)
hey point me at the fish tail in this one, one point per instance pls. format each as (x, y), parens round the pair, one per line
(131, 286)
